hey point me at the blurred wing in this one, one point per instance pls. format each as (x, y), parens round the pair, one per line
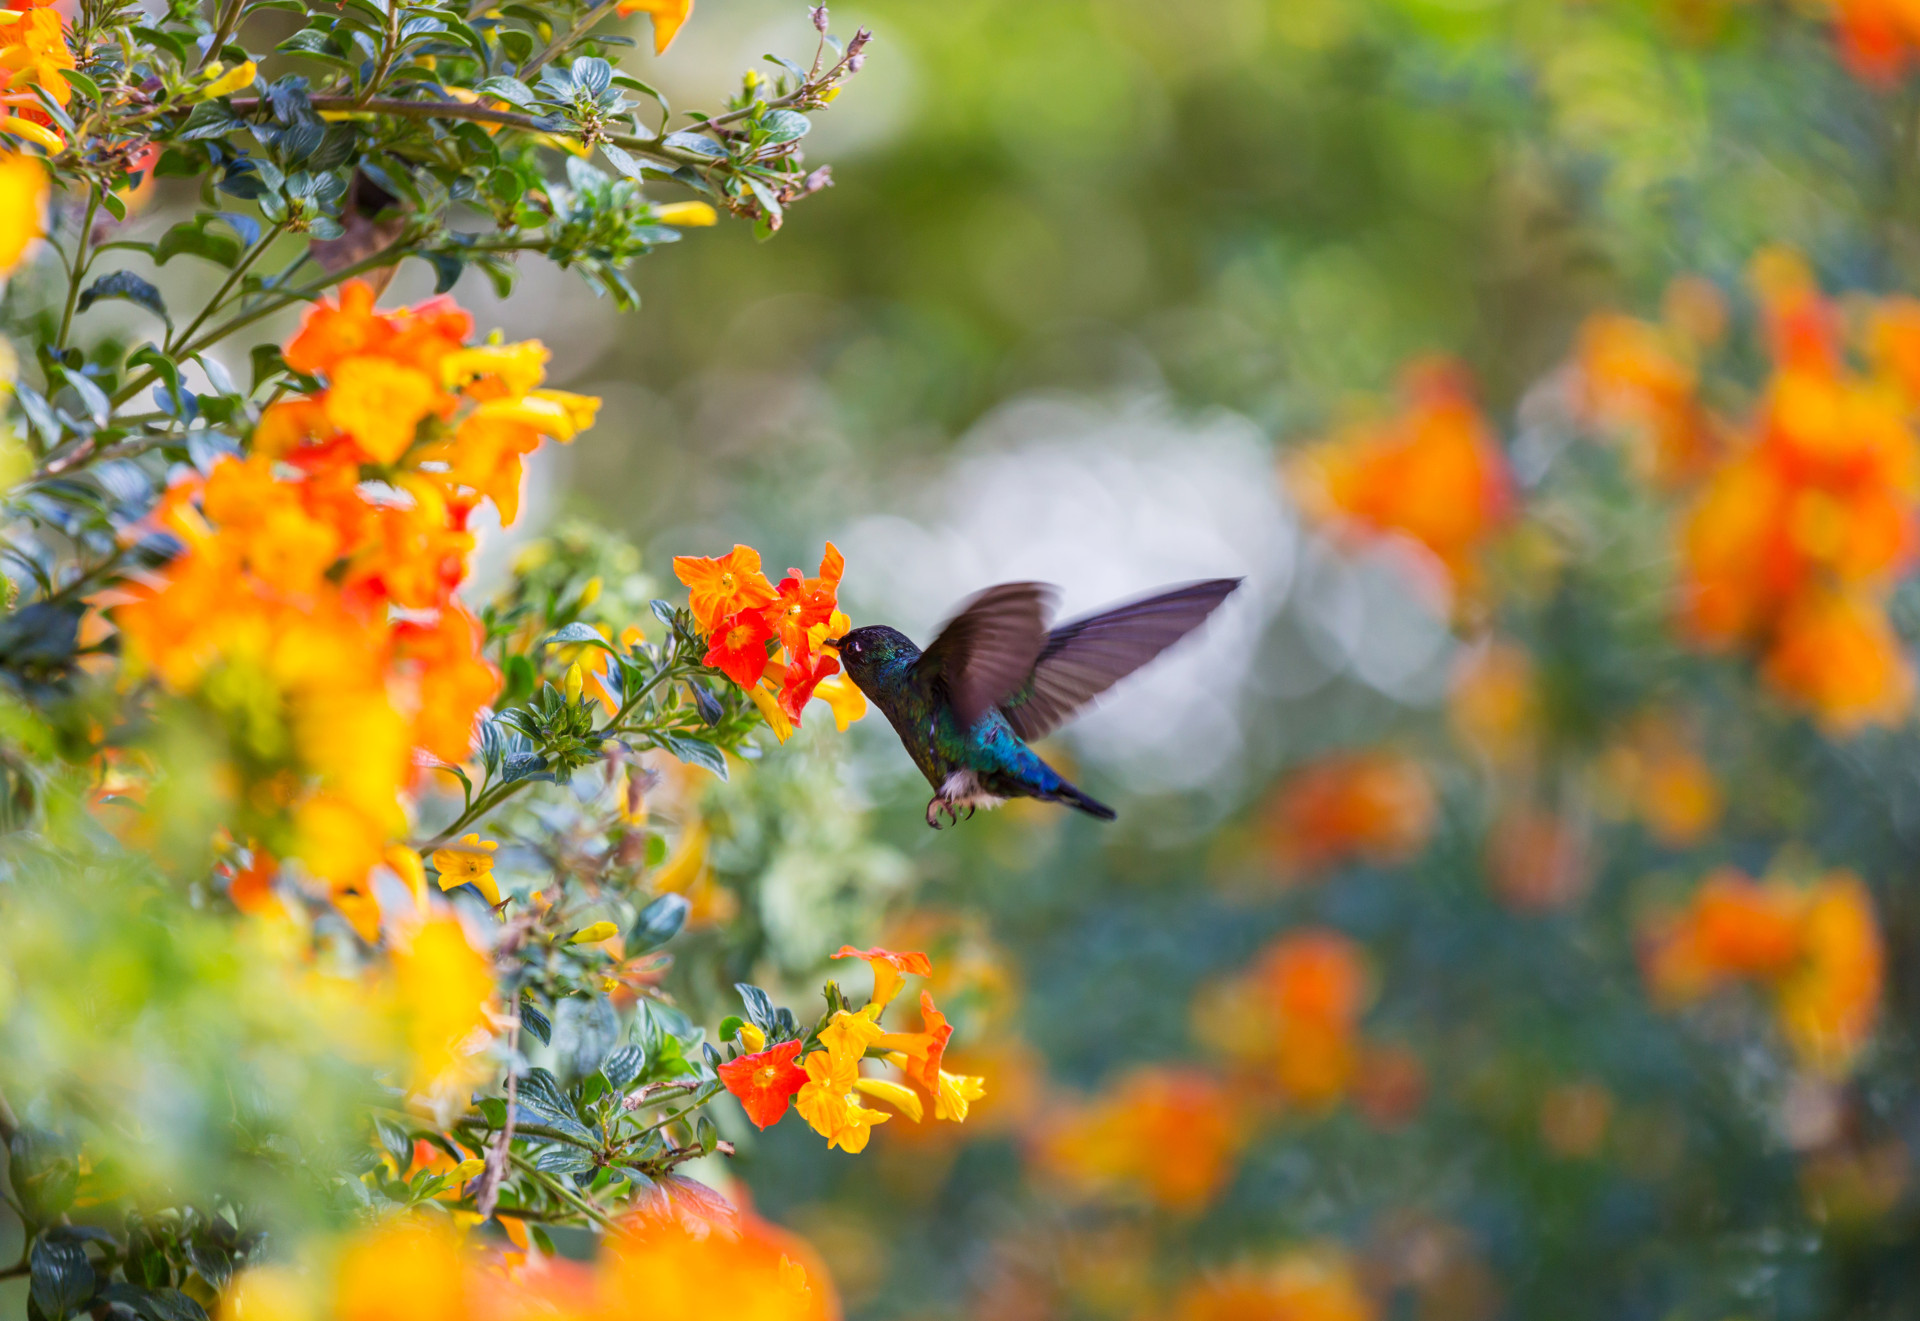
(987, 650)
(1084, 658)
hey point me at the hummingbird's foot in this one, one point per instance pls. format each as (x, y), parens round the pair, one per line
(971, 809)
(935, 806)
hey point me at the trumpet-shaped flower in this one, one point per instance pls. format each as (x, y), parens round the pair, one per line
(470, 862)
(765, 1081)
(888, 966)
(738, 648)
(720, 587)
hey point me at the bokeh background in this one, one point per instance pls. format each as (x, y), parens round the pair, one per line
(1360, 1009)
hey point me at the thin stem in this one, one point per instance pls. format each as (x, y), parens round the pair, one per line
(9, 1122)
(485, 803)
(234, 277)
(584, 1205)
(573, 34)
(79, 269)
(653, 147)
(229, 21)
(389, 46)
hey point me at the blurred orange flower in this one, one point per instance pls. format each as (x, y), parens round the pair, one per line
(1293, 1017)
(1493, 705)
(1795, 540)
(1378, 806)
(1818, 947)
(1433, 472)
(1537, 861)
(1317, 1285)
(1639, 380)
(1654, 773)
(1168, 1135)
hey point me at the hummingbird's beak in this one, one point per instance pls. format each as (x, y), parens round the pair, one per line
(833, 644)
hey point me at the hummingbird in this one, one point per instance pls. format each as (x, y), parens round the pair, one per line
(998, 677)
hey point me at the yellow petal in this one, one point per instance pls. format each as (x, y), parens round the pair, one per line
(593, 934)
(956, 1092)
(752, 1038)
(241, 75)
(685, 214)
(32, 132)
(776, 718)
(903, 1099)
(843, 698)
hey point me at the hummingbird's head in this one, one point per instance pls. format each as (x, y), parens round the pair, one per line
(867, 653)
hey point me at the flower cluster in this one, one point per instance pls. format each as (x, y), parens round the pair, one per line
(1640, 380)
(1314, 1285)
(1290, 1026)
(819, 1075)
(1815, 946)
(1376, 806)
(1163, 1134)
(1433, 472)
(745, 617)
(33, 55)
(673, 1255)
(1795, 540)
(312, 606)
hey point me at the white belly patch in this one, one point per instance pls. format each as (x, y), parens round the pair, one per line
(962, 789)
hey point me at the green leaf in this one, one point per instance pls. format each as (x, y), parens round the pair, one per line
(127, 286)
(209, 119)
(695, 752)
(759, 1007)
(784, 126)
(312, 41)
(624, 1066)
(620, 160)
(536, 1022)
(508, 89)
(730, 1027)
(62, 1278)
(193, 239)
(698, 143)
(659, 922)
(148, 355)
(563, 1159)
(540, 1096)
(576, 632)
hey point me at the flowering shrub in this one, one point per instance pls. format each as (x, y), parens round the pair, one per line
(339, 902)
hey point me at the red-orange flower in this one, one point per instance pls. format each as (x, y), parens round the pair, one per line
(738, 648)
(722, 587)
(802, 603)
(1168, 1134)
(765, 1081)
(1376, 805)
(803, 674)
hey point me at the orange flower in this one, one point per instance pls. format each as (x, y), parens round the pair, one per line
(1294, 1016)
(1319, 1285)
(667, 15)
(1434, 472)
(1828, 1004)
(34, 53)
(1492, 705)
(765, 1081)
(379, 403)
(830, 1100)
(729, 585)
(920, 1052)
(685, 1268)
(738, 648)
(1167, 1134)
(801, 677)
(1376, 806)
(801, 604)
(888, 966)
(1637, 379)
(1837, 654)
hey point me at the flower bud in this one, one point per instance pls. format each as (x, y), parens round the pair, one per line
(576, 681)
(594, 934)
(752, 1038)
(819, 16)
(233, 80)
(688, 215)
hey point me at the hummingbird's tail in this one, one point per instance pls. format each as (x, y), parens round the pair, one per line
(1071, 796)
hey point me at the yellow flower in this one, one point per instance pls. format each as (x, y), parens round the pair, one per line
(593, 934)
(550, 417)
(442, 986)
(901, 1098)
(379, 403)
(234, 79)
(955, 1094)
(518, 367)
(575, 682)
(32, 132)
(688, 214)
(850, 1034)
(829, 1103)
(581, 409)
(23, 204)
(769, 705)
(844, 698)
(269, 1293)
(667, 16)
(752, 1038)
(406, 864)
(470, 862)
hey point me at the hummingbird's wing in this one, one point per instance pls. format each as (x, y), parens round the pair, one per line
(989, 648)
(1087, 656)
